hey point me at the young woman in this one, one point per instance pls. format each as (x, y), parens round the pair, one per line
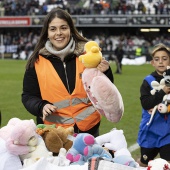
(52, 85)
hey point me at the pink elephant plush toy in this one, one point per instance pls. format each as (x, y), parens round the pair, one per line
(103, 94)
(85, 147)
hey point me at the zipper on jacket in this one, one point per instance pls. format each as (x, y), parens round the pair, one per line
(64, 64)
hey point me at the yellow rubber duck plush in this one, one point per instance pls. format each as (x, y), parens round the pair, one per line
(92, 56)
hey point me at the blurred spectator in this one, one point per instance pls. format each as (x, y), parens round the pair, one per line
(138, 51)
(119, 53)
(141, 7)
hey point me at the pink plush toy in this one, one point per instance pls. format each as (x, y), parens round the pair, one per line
(20, 136)
(103, 94)
(23, 138)
(6, 130)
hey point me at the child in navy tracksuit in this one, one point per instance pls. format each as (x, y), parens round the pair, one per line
(154, 138)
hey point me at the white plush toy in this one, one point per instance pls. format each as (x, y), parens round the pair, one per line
(116, 142)
(158, 164)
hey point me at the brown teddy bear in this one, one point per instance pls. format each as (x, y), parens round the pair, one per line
(55, 138)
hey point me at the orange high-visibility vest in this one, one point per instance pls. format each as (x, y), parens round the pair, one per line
(72, 108)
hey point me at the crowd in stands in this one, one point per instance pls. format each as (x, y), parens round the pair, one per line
(24, 43)
(89, 7)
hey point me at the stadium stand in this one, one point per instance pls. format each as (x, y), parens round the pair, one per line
(18, 43)
(41, 7)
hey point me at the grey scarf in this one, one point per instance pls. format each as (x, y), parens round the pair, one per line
(62, 53)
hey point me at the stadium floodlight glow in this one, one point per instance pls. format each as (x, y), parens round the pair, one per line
(154, 29)
(144, 30)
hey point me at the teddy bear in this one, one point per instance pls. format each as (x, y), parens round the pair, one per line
(115, 141)
(84, 148)
(103, 94)
(56, 137)
(92, 49)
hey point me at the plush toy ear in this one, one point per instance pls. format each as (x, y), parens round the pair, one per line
(23, 131)
(13, 121)
(162, 82)
(52, 140)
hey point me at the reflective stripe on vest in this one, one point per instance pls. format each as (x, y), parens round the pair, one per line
(69, 120)
(72, 108)
(66, 103)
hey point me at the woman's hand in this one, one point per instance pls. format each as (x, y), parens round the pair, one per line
(48, 109)
(104, 65)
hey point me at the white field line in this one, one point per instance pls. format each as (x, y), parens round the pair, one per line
(133, 147)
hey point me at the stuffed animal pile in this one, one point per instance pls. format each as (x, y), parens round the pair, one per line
(21, 140)
(103, 94)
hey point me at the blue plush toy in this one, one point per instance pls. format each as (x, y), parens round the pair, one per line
(85, 147)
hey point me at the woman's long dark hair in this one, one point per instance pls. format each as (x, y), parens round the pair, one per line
(59, 13)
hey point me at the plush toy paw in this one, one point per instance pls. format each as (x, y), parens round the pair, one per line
(69, 156)
(77, 158)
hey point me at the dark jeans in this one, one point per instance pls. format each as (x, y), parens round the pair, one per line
(93, 131)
